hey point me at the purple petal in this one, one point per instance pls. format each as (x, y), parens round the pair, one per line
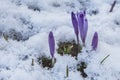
(51, 44)
(85, 29)
(75, 25)
(95, 41)
(81, 25)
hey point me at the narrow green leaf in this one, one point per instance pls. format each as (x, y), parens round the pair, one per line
(67, 71)
(5, 37)
(69, 48)
(32, 62)
(104, 59)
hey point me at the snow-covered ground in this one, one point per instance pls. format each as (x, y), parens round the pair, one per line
(32, 20)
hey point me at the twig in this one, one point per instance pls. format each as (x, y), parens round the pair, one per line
(112, 6)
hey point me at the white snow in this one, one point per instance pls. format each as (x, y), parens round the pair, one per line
(34, 19)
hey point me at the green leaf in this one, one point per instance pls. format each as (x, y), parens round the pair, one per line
(104, 59)
(69, 49)
(67, 71)
(32, 62)
(5, 37)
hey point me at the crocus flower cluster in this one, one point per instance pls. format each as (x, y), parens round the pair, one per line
(51, 44)
(80, 25)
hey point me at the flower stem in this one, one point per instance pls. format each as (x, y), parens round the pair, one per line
(53, 60)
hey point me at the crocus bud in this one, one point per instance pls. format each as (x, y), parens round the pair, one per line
(51, 44)
(83, 26)
(81, 23)
(75, 25)
(85, 30)
(95, 41)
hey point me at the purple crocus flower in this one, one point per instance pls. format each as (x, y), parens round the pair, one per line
(95, 41)
(81, 23)
(85, 30)
(51, 44)
(83, 26)
(75, 25)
